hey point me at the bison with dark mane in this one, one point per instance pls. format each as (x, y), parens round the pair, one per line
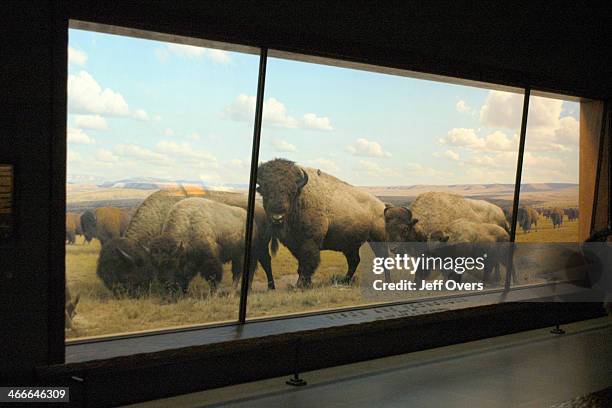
(556, 216)
(312, 211)
(526, 217)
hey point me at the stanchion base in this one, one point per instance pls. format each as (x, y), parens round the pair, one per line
(557, 330)
(296, 382)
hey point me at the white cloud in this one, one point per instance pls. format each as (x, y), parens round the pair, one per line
(366, 148)
(139, 153)
(463, 137)
(462, 107)
(168, 132)
(106, 156)
(192, 52)
(186, 51)
(282, 146)
(448, 154)
(140, 114)
(568, 131)
(327, 165)
(219, 56)
(185, 153)
(275, 114)
(195, 136)
(94, 122)
(314, 122)
(76, 57)
(77, 136)
(502, 110)
(467, 139)
(86, 95)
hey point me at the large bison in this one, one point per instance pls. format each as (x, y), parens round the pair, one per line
(434, 211)
(124, 263)
(556, 216)
(198, 237)
(312, 211)
(526, 217)
(73, 227)
(105, 223)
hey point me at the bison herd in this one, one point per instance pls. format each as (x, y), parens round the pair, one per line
(527, 216)
(175, 235)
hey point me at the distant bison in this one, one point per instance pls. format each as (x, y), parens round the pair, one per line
(312, 211)
(556, 216)
(105, 223)
(571, 213)
(73, 227)
(526, 217)
(198, 237)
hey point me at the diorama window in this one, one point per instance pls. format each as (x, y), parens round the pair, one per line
(150, 122)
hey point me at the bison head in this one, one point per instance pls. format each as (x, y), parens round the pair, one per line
(400, 227)
(280, 182)
(125, 267)
(167, 255)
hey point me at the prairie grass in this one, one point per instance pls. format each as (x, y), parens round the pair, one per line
(100, 313)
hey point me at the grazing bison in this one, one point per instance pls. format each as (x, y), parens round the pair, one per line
(526, 217)
(478, 238)
(124, 263)
(312, 211)
(556, 216)
(198, 237)
(73, 227)
(105, 223)
(433, 211)
(70, 308)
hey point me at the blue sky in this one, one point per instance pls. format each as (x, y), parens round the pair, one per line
(140, 108)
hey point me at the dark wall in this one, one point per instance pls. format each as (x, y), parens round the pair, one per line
(540, 43)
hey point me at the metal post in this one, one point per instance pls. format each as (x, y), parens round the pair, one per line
(248, 239)
(517, 187)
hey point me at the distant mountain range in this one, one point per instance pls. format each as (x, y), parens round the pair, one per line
(151, 183)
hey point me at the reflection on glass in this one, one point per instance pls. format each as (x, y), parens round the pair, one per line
(159, 146)
(351, 158)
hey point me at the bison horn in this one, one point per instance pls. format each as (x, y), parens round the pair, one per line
(144, 247)
(125, 255)
(302, 182)
(76, 300)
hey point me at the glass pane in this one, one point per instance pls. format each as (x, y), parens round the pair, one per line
(549, 187)
(339, 144)
(150, 124)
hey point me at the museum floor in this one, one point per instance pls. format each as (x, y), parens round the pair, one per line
(530, 369)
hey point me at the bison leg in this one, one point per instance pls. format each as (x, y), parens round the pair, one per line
(308, 260)
(263, 256)
(352, 258)
(237, 264)
(381, 250)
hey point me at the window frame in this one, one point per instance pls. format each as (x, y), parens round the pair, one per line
(264, 53)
